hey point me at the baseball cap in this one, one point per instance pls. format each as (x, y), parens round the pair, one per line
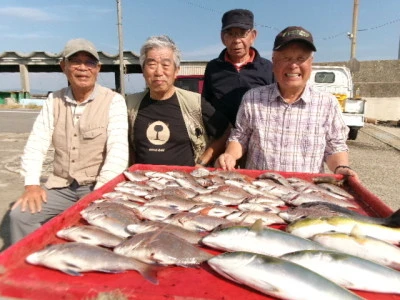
(241, 18)
(77, 45)
(291, 34)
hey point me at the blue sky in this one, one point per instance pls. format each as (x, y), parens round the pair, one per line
(46, 25)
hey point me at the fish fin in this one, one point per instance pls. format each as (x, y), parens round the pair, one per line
(356, 232)
(150, 273)
(257, 226)
(72, 272)
(394, 219)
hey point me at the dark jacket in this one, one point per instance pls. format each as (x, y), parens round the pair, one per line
(224, 86)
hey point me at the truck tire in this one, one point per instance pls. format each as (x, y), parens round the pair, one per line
(353, 133)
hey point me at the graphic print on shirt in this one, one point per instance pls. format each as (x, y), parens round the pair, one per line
(158, 133)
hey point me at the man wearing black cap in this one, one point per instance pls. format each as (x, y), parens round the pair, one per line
(238, 68)
(289, 126)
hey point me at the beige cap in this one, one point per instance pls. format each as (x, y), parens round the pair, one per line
(77, 45)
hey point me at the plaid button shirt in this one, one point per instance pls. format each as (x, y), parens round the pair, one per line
(295, 137)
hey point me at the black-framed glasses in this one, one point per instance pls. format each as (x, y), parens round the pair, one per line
(237, 34)
(89, 63)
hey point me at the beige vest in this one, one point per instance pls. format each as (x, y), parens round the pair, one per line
(190, 104)
(80, 149)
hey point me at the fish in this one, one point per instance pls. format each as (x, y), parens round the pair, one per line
(147, 225)
(366, 247)
(278, 178)
(329, 179)
(200, 172)
(162, 248)
(263, 207)
(135, 175)
(300, 198)
(218, 199)
(348, 270)
(326, 209)
(277, 277)
(257, 239)
(212, 210)
(73, 258)
(110, 216)
(196, 222)
(336, 190)
(172, 201)
(308, 227)
(155, 212)
(249, 217)
(89, 234)
(180, 192)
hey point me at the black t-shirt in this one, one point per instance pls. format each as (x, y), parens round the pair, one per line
(160, 134)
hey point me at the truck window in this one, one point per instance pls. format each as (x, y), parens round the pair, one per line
(192, 83)
(324, 77)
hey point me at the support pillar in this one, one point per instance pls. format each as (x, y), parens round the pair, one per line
(24, 75)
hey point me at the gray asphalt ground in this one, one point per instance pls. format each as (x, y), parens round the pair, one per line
(377, 164)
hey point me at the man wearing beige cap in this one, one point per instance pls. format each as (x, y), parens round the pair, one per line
(289, 126)
(87, 125)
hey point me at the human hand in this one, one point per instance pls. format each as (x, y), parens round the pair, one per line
(226, 162)
(347, 171)
(32, 198)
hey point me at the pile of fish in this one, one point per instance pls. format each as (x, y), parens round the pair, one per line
(158, 219)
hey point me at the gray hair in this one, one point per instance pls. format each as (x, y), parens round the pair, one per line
(156, 42)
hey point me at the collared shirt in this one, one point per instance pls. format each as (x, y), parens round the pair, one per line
(41, 136)
(238, 66)
(295, 137)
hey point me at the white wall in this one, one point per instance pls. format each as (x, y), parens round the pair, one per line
(383, 109)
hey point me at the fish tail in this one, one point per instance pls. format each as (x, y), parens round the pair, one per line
(149, 272)
(394, 219)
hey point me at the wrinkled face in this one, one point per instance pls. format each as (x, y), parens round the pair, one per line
(81, 70)
(238, 42)
(292, 66)
(159, 72)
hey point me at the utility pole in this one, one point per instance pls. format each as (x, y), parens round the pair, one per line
(353, 35)
(121, 50)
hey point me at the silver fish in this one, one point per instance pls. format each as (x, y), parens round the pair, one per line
(196, 222)
(335, 189)
(89, 234)
(277, 277)
(257, 239)
(135, 175)
(366, 247)
(172, 201)
(258, 207)
(73, 258)
(326, 209)
(212, 210)
(161, 247)
(216, 198)
(349, 271)
(276, 177)
(146, 226)
(249, 217)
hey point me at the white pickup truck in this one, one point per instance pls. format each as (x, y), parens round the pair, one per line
(338, 81)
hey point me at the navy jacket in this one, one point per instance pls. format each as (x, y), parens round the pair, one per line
(224, 86)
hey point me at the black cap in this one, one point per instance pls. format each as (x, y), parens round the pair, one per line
(241, 18)
(291, 34)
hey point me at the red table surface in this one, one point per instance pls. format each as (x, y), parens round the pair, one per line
(21, 280)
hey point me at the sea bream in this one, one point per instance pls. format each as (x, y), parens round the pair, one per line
(146, 226)
(277, 277)
(163, 248)
(73, 258)
(89, 234)
(257, 239)
(349, 271)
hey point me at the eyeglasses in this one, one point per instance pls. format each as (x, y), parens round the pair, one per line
(90, 63)
(290, 60)
(237, 34)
